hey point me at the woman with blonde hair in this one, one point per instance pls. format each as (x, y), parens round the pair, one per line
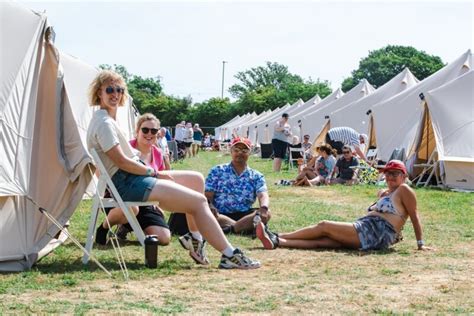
(137, 182)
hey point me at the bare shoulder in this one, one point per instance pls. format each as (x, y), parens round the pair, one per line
(405, 191)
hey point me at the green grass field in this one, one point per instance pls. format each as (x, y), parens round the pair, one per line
(400, 280)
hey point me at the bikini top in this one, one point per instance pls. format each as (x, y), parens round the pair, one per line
(385, 205)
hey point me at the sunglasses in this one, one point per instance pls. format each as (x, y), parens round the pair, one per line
(110, 90)
(346, 152)
(146, 130)
(239, 150)
(393, 174)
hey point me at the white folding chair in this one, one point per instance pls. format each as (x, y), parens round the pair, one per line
(371, 154)
(293, 156)
(99, 201)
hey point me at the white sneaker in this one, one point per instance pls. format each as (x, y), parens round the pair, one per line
(238, 261)
(196, 248)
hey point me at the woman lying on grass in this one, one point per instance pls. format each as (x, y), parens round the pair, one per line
(377, 230)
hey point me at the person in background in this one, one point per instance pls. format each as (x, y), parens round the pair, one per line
(378, 230)
(135, 181)
(188, 138)
(345, 171)
(162, 143)
(197, 139)
(324, 167)
(339, 137)
(306, 145)
(233, 188)
(280, 141)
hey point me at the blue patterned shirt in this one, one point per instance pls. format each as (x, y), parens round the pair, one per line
(234, 193)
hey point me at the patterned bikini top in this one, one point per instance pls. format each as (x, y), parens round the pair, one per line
(385, 205)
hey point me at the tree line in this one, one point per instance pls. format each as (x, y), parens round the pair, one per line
(270, 86)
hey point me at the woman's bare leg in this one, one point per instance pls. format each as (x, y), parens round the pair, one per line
(193, 180)
(116, 217)
(173, 196)
(277, 164)
(323, 242)
(163, 234)
(344, 233)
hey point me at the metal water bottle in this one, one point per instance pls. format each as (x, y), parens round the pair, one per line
(151, 251)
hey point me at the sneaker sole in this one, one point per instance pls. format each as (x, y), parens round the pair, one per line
(260, 231)
(228, 267)
(197, 259)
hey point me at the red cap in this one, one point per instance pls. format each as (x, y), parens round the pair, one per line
(241, 140)
(395, 165)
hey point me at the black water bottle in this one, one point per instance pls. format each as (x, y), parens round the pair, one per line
(151, 251)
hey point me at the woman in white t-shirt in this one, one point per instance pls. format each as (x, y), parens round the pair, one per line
(136, 182)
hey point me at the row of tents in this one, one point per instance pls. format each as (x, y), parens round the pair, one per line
(431, 120)
(44, 115)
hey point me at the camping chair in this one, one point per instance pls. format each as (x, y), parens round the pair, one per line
(430, 168)
(371, 154)
(295, 153)
(99, 201)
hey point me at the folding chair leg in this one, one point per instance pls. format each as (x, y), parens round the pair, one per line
(91, 230)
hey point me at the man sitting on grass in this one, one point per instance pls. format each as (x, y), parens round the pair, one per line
(231, 190)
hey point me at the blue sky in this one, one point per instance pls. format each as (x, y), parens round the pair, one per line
(185, 42)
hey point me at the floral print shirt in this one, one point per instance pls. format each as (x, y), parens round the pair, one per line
(234, 193)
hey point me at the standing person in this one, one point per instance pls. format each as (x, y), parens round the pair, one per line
(188, 138)
(162, 143)
(378, 230)
(337, 137)
(280, 141)
(136, 182)
(197, 139)
(346, 173)
(232, 189)
(306, 144)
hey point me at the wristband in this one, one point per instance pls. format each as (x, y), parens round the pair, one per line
(420, 242)
(149, 171)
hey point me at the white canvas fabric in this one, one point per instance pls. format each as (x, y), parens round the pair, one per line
(248, 127)
(264, 128)
(43, 158)
(296, 118)
(395, 121)
(312, 123)
(449, 111)
(355, 114)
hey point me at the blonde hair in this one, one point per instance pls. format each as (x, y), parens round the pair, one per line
(101, 78)
(146, 117)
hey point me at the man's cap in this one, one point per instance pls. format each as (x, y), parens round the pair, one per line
(241, 140)
(395, 165)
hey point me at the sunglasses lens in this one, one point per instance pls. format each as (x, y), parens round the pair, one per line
(146, 130)
(110, 90)
(154, 131)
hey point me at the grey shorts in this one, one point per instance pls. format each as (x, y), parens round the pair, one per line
(375, 233)
(132, 187)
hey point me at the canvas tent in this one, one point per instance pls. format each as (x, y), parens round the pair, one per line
(447, 127)
(312, 123)
(43, 117)
(394, 122)
(355, 115)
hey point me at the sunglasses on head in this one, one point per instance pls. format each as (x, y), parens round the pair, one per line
(110, 90)
(146, 130)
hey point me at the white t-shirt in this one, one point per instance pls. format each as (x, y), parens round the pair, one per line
(179, 133)
(103, 134)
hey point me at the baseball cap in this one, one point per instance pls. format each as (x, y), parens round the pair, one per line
(395, 165)
(241, 140)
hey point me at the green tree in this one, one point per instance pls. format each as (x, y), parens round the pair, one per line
(271, 86)
(211, 113)
(383, 64)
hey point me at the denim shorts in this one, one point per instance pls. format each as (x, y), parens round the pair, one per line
(375, 233)
(132, 187)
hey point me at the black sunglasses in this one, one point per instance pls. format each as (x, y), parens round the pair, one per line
(346, 152)
(110, 90)
(145, 130)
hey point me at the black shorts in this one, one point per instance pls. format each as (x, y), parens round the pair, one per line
(236, 216)
(336, 145)
(279, 148)
(188, 144)
(146, 217)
